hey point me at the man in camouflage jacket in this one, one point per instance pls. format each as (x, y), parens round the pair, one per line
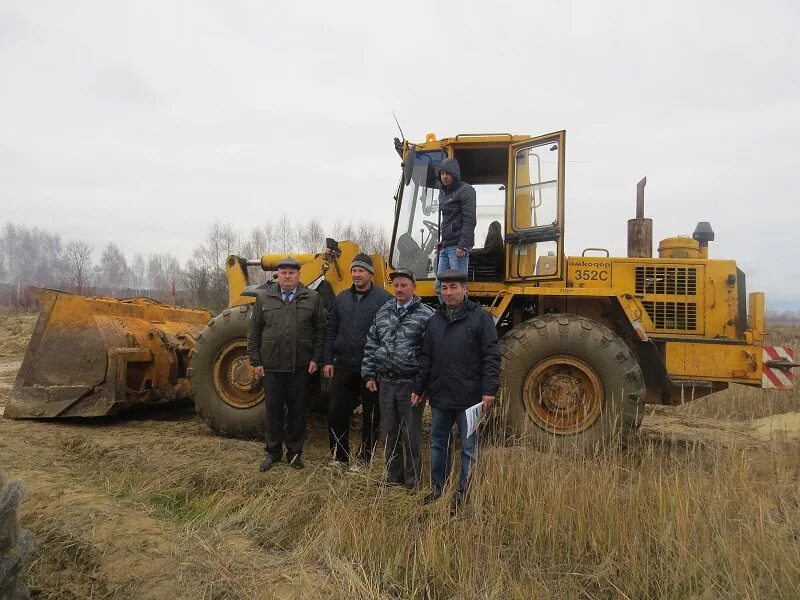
(389, 366)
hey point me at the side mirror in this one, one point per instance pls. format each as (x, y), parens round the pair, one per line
(408, 163)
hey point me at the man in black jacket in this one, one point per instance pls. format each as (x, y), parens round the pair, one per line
(457, 219)
(284, 344)
(459, 367)
(343, 351)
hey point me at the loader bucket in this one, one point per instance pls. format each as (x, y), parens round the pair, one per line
(90, 357)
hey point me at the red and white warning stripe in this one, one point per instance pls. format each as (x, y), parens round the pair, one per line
(773, 377)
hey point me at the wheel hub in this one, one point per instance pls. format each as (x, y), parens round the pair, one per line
(242, 374)
(563, 395)
(234, 379)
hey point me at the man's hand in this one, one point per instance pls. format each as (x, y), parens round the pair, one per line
(327, 371)
(313, 367)
(460, 252)
(372, 385)
(416, 400)
(488, 402)
(258, 371)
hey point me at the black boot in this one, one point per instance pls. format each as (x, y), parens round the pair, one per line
(432, 497)
(295, 462)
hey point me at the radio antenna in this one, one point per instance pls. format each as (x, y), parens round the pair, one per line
(402, 135)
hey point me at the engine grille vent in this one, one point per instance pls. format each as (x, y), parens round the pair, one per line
(672, 316)
(672, 281)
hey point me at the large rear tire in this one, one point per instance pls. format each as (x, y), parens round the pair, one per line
(570, 383)
(227, 393)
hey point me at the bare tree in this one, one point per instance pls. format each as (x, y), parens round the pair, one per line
(49, 258)
(285, 235)
(163, 273)
(206, 288)
(31, 256)
(256, 243)
(221, 241)
(344, 231)
(372, 238)
(205, 277)
(113, 271)
(78, 263)
(12, 254)
(138, 272)
(311, 237)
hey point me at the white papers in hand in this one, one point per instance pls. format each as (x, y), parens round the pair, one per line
(474, 416)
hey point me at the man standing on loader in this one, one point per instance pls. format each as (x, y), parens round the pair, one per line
(343, 351)
(457, 220)
(459, 366)
(284, 344)
(389, 366)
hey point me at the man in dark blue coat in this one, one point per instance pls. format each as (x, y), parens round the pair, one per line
(459, 367)
(343, 351)
(457, 213)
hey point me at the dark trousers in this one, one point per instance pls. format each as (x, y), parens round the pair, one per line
(347, 392)
(402, 427)
(442, 422)
(285, 398)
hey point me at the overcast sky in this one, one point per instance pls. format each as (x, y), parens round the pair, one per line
(142, 122)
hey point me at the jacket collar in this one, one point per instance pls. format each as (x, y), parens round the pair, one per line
(459, 313)
(365, 294)
(275, 290)
(414, 301)
(447, 189)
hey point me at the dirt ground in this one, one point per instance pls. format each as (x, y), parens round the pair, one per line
(98, 537)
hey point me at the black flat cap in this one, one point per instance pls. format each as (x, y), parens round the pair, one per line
(402, 272)
(288, 263)
(452, 275)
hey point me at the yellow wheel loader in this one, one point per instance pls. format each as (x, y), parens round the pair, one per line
(587, 340)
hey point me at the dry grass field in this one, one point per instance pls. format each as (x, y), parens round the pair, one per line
(705, 504)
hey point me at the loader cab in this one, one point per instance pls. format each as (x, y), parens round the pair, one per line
(519, 184)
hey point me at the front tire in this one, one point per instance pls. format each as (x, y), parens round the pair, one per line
(227, 394)
(570, 383)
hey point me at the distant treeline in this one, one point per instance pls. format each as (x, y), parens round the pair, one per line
(30, 256)
(783, 316)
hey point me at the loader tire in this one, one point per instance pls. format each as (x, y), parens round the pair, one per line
(226, 394)
(570, 383)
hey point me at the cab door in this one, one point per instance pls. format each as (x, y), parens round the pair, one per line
(535, 209)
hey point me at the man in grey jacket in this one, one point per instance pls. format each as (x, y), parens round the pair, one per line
(458, 220)
(389, 367)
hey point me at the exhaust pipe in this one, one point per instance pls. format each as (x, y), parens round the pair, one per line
(640, 230)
